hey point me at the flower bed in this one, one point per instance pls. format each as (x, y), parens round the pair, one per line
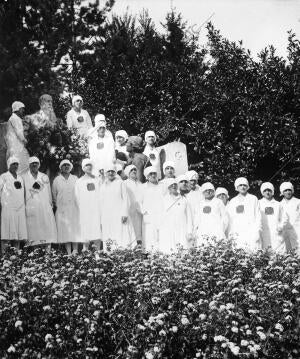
(215, 302)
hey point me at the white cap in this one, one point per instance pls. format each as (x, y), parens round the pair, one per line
(169, 182)
(192, 175)
(65, 162)
(207, 186)
(286, 185)
(128, 169)
(76, 98)
(122, 133)
(266, 185)
(221, 190)
(239, 181)
(100, 121)
(17, 105)
(110, 167)
(33, 159)
(149, 170)
(168, 164)
(181, 178)
(150, 134)
(11, 160)
(85, 162)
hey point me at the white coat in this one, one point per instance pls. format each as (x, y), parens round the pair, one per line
(80, 121)
(41, 224)
(13, 220)
(134, 191)
(291, 231)
(101, 152)
(67, 213)
(194, 198)
(87, 191)
(210, 220)
(273, 220)
(176, 224)
(154, 157)
(151, 207)
(245, 221)
(15, 142)
(114, 206)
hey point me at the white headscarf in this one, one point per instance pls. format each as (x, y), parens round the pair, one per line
(286, 185)
(110, 167)
(150, 134)
(128, 169)
(181, 178)
(100, 121)
(34, 159)
(122, 133)
(239, 181)
(76, 98)
(266, 185)
(168, 164)
(149, 170)
(206, 186)
(222, 190)
(11, 160)
(192, 175)
(65, 162)
(17, 105)
(86, 161)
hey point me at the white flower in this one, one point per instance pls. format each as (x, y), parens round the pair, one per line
(244, 343)
(48, 337)
(202, 316)
(234, 329)
(46, 307)
(162, 333)
(279, 327)
(234, 348)
(248, 332)
(262, 335)
(96, 302)
(23, 300)
(11, 349)
(18, 323)
(184, 320)
(149, 355)
(174, 329)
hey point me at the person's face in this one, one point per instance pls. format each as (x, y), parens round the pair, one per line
(150, 140)
(242, 189)
(111, 175)
(169, 172)
(78, 105)
(223, 198)
(14, 167)
(65, 169)
(287, 194)
(173, 189)
(208, 194)
(101, 131)
(183, 186)
(193, 184)
(133, 174)
(88, 169)
(152, 177)
(268, 194)
(120, 140)
(34, 167)
(47, 104)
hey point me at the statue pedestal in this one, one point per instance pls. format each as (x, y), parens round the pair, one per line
(176, 152)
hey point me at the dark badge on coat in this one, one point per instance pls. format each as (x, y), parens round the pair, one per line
(206, 209)
(18, 184)
(90, 187)
(269, 211)
(240, 209)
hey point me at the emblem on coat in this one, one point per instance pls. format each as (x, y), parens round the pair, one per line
(240, 209)
(80, 119)
(18, 184)
(269, 211)
(100, 145)
(206, 209)
(90, 187)
(36, 185)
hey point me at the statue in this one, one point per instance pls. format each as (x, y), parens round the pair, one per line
(45, 116)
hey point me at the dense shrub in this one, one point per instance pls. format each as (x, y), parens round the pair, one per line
(213, 302)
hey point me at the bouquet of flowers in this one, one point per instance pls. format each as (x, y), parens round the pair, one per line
(53, 144)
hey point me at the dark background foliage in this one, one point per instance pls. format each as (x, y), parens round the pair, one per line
(238, 115)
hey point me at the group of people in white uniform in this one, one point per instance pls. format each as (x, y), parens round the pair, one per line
(112, 207)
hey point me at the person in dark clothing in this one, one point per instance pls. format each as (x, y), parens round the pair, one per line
(135, 149)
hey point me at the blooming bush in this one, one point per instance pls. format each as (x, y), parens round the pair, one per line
(53, 144)
(213, 302)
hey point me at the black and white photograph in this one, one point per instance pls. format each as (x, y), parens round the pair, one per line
(150, 179)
